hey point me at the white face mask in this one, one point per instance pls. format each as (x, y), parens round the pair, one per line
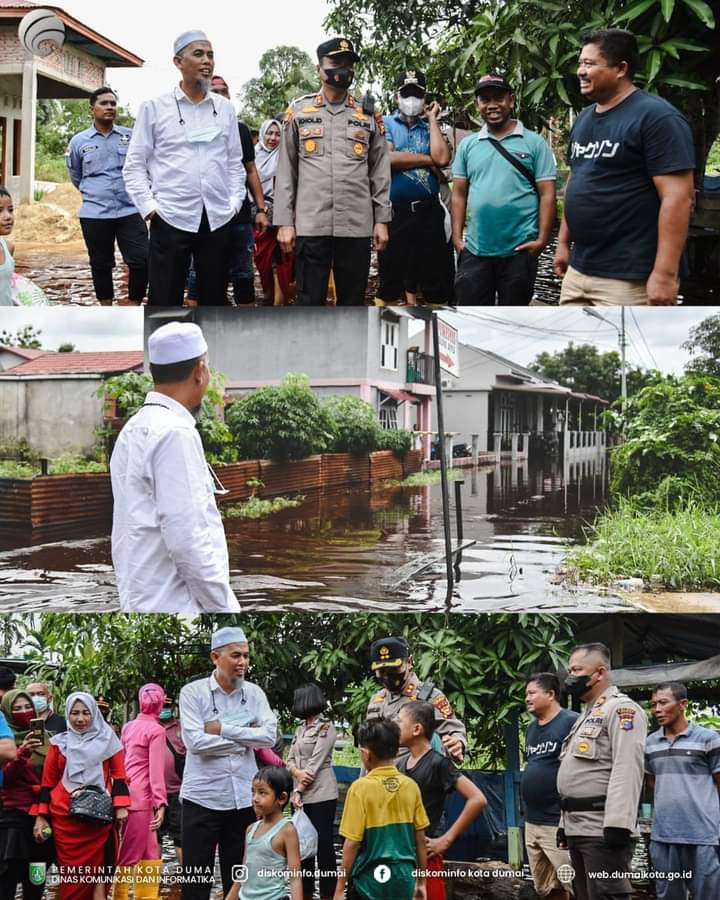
(203, 135)
(411, 106)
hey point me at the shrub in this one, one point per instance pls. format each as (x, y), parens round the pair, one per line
(396, 439)
(280, 423)
(672, 431)
(354, 425)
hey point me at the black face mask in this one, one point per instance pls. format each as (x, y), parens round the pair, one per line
(340, 78)
(577, 685)
(392, 681)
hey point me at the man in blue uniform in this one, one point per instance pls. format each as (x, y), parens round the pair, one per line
(95, 160)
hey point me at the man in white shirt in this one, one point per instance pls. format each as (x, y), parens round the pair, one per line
(185, 175)
(223, 720)
(168, 542)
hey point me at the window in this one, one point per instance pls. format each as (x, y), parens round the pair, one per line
(388, 416)
(390, 338)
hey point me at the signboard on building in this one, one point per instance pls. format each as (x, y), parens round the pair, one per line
(449, 354)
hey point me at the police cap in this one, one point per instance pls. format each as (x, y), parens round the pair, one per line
(389, 651)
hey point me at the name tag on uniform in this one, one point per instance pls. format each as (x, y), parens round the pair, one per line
(88, 147)
(124, 139)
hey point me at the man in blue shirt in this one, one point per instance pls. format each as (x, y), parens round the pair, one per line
(682, 762)
(95, 159)
(417, 255)
(504, 182)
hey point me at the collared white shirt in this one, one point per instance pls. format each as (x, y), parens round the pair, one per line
(167, 173)
(168, 542)
(219, 769)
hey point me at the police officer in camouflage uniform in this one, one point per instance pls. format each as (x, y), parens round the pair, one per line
(332, 187)
(392, 665)
(600, 778)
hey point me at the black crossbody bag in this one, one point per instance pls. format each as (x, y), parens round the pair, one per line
(496, 145)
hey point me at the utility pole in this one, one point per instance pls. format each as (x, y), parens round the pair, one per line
(622, 340)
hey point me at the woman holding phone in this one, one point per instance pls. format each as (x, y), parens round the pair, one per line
(21, 780)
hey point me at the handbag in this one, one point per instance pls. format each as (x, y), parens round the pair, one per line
(92, 804)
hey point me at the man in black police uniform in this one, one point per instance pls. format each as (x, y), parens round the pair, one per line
(392, 665)
(332, 188)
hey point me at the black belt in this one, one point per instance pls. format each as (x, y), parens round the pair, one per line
(582, 804)
(415, 206)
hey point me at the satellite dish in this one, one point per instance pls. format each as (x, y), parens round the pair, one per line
(41, 32)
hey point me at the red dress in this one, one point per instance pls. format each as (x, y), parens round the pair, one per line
(78, 843)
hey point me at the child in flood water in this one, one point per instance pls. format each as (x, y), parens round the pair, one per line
(271, 843)
(7, 248)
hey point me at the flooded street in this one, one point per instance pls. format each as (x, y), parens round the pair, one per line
(364, 550)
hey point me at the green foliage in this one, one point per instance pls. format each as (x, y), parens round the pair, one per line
(128, 389)
(281, 423)
(354, 425)
(57, 122)
(26, 461)
(673, 549)
(713, 161)
(584, 369)
(672, 428)
(285, 73)
(257, 508)
(67, 347)
(536, 44)
(423, 479)
(704, 344)
(481, 662)
(27, 337)
(396, 439)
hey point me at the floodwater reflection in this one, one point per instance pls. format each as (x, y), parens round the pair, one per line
(366, 550)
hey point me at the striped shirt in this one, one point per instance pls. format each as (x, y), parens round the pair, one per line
(687, 803)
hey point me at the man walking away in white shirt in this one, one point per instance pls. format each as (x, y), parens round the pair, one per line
(224, 719)
(185, 175)
(168, 542)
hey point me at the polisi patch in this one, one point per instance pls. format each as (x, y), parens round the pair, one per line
(626, 714)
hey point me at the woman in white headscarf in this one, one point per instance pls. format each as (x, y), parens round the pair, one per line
(274, 267)
(88, 753)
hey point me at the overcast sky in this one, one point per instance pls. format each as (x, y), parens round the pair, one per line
(518, 333)
(240, 34)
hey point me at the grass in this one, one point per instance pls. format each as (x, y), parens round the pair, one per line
(66, 464)
(678, 550)
(257, 508)
(422, 479)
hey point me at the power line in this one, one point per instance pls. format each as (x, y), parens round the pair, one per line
(647, 346)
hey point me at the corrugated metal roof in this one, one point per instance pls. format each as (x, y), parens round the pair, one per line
(103, 363)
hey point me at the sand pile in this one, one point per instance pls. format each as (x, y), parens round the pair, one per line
(54, 220)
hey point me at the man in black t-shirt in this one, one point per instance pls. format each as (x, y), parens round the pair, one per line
(242, 244)
(629, 195)
(539, 784)
(437, 776)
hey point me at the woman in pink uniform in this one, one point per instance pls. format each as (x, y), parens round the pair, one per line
(143, 740)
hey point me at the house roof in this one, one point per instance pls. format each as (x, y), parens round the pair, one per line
(77, 34)
(22, 351)
(103, 363)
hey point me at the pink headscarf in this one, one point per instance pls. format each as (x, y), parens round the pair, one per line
(152, 699)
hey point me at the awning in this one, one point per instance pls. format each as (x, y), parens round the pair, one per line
(649, 676)
(400, 396)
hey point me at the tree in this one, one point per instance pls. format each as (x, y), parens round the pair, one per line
(67, 347)
(704, 344)
(536, 43)
(285, 73)
(481, 662)
(582, 368)
(28, 338)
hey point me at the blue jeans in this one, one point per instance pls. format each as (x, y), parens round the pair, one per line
(701, 864)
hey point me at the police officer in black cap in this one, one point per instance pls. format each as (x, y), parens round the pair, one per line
(392, 664)
(332, 188)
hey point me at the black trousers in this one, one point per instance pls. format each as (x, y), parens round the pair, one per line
(170, 253)
(418, 256)
(131, 235)
(203, 831)
(592, 855)
(480, 278)
(349, 258)
(322, 815)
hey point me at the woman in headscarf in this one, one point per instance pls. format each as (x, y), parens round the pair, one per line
(274, 267)
(88, 753)
(21, 781)
(143, 740)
